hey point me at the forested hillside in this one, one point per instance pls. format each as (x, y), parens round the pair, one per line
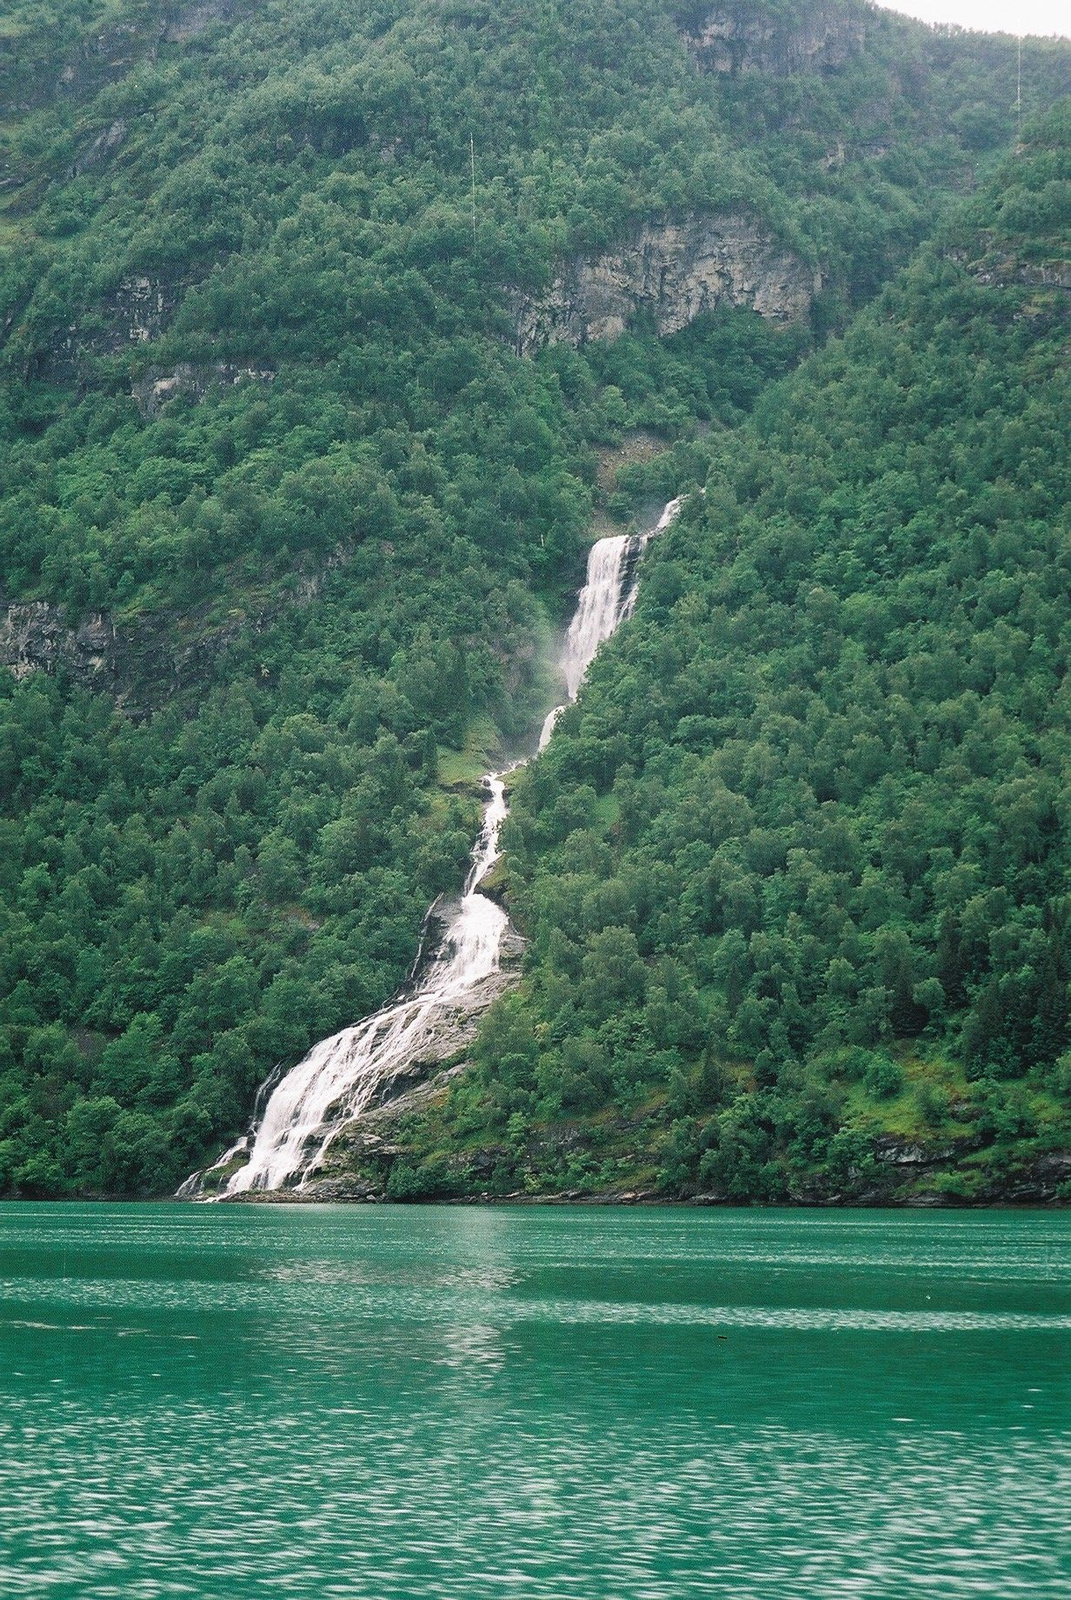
(286, 516)
(796, 870)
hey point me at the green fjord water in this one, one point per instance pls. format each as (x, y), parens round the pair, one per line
(575, 1404)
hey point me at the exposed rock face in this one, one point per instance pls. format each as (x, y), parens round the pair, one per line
(102, 57)
(108, 51)
(895, 1152)
(158, 386)
(136, 312)
(674, 271)
(34, 636)
(98, 151)
(734, 38)
(144, 664)
(142, 306)
(1002, 271)
(1004, 263)
(191, 20)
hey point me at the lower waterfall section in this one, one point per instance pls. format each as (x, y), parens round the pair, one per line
(339, 1076)
(297, 1116)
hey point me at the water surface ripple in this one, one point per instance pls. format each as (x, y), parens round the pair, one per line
(395, 1403)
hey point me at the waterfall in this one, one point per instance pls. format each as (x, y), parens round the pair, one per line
(607, 598)
(296, 1116)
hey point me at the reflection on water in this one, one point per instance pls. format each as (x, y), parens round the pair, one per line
(405, 1403)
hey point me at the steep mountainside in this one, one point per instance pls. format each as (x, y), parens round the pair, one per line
(302, 394)
(796, 870)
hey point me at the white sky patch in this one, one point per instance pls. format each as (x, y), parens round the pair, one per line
(993, 16)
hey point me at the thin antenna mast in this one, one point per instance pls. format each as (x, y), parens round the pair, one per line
(1019, 98)
(472, 164)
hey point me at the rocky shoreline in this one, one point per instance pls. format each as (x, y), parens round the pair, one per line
(360, 1161)
(342, 1193)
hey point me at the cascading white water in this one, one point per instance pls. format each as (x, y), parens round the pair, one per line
(336, 1080)
(607, 598)
(339, 1077)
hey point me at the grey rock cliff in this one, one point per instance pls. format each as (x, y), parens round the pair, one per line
(674, 271)
(150, 659)
(189, 21)
(1001, 271)
(158, 385)
(100, 149)
(736, 38)
(135, 313)
(34, 636)
(141, 307)
(142, 666)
